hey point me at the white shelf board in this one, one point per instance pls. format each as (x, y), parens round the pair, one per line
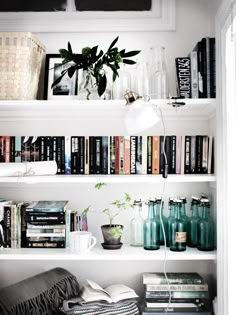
(126, 253)
(72, 109)
(111, 179)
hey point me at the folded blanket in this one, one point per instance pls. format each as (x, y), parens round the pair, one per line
(78, 306)
(39, 295)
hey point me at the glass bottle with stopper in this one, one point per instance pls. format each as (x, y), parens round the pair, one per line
(178, 230)
(158, 208)
(170, 218)
(136, 225)
(193, 223)
(151, 229)
(205, 227)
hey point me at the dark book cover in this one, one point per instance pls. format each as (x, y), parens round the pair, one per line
(187, 155)
(23, 225)
(183, 76)
(199, 154)
(198, 49)
(117, 155)
(139, 155)
(42, 153)
(112, 155)
(1, 149)
(173, 277)
(149, 155)
(212, 68)
(34, 149)
(45, 218)
(162, 158)
(193, 155)
(74, 155)
(7, 225)
(204, 66)
(48, 149)
(55, 150)
(173, 155)
(58, 144)
(25, 148)
(91, 155)
(63, 155)
(133, 154)
(98, 155)
(168, 152)
(81, 158)
(104, 155)
(12, 149)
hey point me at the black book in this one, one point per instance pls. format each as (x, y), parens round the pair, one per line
(173, 155)
(34, 149)
(23, 225)
(98, 155)
(45, 218)
(48, 151)
(199, 140)
(198, 49)
(45, 244)
(212, 68)
(112, 155)
(183, 74)
(133, 154)
(91, 155)
(25, 148)
(204, 67)
(168, 152)
(81, 158)
(104, 155)
(12, 149)
(7, 225)
(162, 159)
(54, 150)
(63, 155)
(74, 155)
(149, 155)
(42, 149)
(187, 155)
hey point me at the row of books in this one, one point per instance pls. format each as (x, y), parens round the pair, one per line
(186, 293)
(41, 224)
(121, 155)
(196, 74)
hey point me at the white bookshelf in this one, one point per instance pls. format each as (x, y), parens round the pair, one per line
(126, 253)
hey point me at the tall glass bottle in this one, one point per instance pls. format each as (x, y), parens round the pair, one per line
(206, 228)
(192, 232)
(141, 82)
(158, 208)
(151, 229)
(159, 78)
(170, 218)
(121, 84)
(178, 237)
(136, 225)
(183, 209)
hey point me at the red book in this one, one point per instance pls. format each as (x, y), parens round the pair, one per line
(127, 156)
(155, 154)
(117, 155)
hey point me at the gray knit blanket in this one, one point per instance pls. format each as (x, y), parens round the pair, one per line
(78, 306)
(39, 295)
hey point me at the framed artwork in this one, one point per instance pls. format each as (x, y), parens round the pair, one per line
(34, 6)
(115, 5)
(67, 87)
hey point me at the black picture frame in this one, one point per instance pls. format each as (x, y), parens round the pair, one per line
(32, 6)
(68, 87)
(114, 5)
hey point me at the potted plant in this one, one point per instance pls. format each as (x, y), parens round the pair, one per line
(94, 66)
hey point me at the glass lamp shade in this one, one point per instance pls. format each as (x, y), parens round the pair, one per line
(140, 116)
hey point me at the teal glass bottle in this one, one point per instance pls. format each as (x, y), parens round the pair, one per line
(178, 230)
(170, 218)
(183, 209)
(192, 232)
(151, 229)
(136, 225)
(158, 209)
(206, 228)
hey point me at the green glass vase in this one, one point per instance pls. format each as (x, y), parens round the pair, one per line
(151, 229)
(178, 230)
(192, 232)
(206, 228)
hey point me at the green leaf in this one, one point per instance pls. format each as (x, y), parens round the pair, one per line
(64, 53)
(131, 53)
(69, 48)
(129, 62)
(100, 185)
(85, 211)
(102, 83)
(71, 71)
(113, 43)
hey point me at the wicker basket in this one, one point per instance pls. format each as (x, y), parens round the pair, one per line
(21, 56)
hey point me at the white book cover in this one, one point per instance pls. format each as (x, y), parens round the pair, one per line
(178, 154)
(182, 155)
(86, 156)
(194, 74)
(210, 152)
(144, 155)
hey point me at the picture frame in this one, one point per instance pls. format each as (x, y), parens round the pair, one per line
(67, 88)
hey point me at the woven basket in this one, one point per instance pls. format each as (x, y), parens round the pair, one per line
(21, 56)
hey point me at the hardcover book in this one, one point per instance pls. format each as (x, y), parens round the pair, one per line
(174, 278)
(133, 152)
(183, 74)
(47, 206)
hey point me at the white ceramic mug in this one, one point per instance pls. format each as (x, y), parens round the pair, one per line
(82, 241)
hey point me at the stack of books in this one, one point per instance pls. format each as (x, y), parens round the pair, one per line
(186, 293)
(46, 225)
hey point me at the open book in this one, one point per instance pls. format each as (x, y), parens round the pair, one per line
(112, 294)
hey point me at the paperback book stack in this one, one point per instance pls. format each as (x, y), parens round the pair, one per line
(46, 224)
(186, 293)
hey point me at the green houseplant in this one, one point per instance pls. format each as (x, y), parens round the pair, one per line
(94, 63)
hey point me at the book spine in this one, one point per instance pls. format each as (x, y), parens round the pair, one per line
(56, 153)
(193, 155)
(25, 148)
(13, 226)
(7, 149)
(173, 155)
(105, 155)
(42, 149)
(48, 148)
(204, 67)
(98, 155)
(174, 287)
(198, 154)
(17, 149)
(23, 225)
(74, 154)
(91, 155)
(7, 225)
(67, 155)
(149, 155)
(121, 155)
(204, 154)
(168, 151)
(155, 295)
(139, 155)
(117, 155)
(208, 76)
(34, 149)
(210, 152)
(194, 74)
(155, 154)
(178, 154)
(12, 149)
(112, 155)
(183, 73)
(212, 68)
(68, 227)
(45, 244)
(81, 157)
(133, 151)
(144, 155)
(86, 156)
(182, 155)
(127, 156)
(187, 154)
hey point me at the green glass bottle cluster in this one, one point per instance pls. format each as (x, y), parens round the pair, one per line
(180, 230)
